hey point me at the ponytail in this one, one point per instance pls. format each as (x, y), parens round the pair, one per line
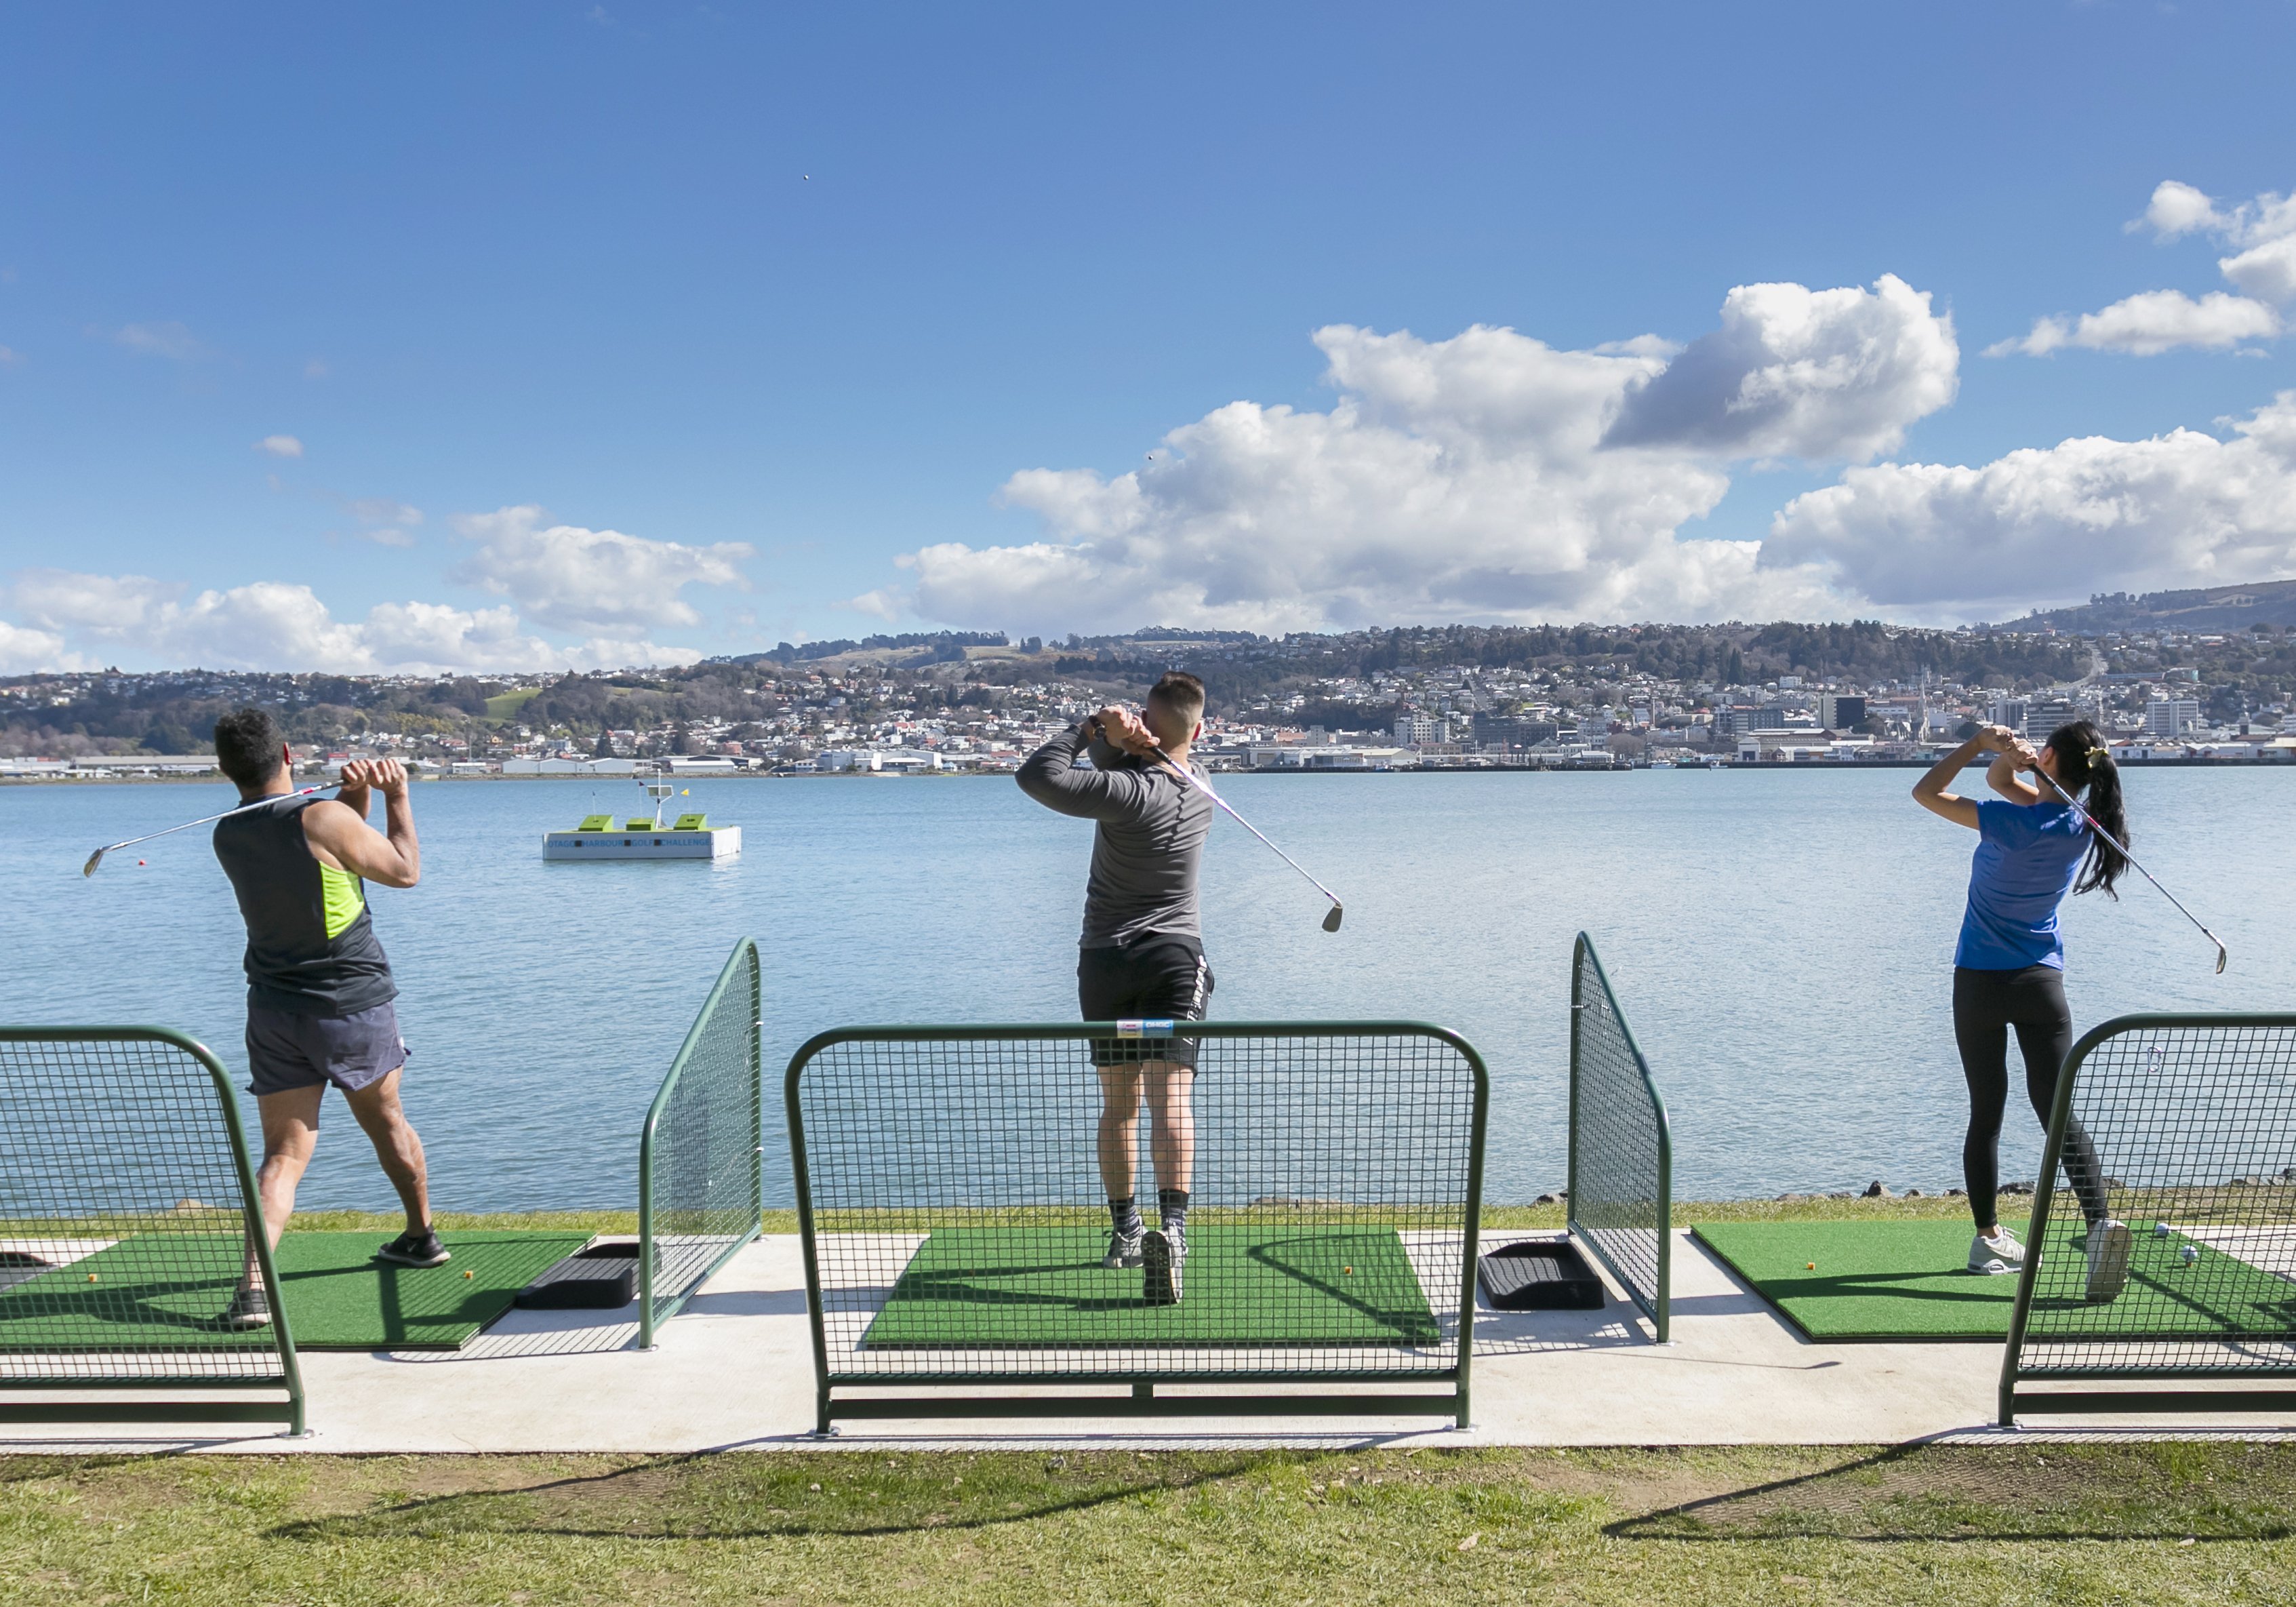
(2084, 762)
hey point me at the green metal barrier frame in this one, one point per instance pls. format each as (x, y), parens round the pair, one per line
(2132, 1401)
(1657, 1308)
(1143, 1401)
(742, 963)
(207, 1409)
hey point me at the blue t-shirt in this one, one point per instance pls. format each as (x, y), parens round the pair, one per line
(2027, 858)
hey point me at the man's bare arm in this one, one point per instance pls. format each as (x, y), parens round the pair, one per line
(342, 838)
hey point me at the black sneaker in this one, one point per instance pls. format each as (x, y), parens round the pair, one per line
(1123, 1247)
(415, 1249)
(1160, 1256)
(248, 1309)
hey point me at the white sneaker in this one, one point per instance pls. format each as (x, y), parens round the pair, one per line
(2109, 1244)
(1995, 1256)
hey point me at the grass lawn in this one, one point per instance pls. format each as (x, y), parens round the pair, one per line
(2158, 1523)
(2037, 1524)
(503, 705)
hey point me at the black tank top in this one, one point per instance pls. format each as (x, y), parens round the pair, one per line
(311, 949)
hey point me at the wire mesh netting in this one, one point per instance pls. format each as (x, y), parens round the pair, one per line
(1622, 1150)
(700, 1169)
(123, 1216)
(957, 1210)
(2183, 1130)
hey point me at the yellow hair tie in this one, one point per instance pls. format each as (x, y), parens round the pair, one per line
(2096, 754)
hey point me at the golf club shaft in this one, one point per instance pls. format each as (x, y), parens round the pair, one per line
(1196, 781)
(2123, 849)
(111, 847)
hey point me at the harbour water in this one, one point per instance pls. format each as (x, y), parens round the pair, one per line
(1782, 944)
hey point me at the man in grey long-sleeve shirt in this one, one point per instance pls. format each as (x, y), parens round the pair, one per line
(1142, 954)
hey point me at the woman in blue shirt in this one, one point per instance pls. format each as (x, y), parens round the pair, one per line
(2009, 966)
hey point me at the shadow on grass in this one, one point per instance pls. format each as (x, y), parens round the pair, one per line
(35, 1467)
(1932, 1493)
(706, 1497)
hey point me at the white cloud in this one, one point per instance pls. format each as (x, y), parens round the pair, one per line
(383, 510)
(883, 603)
(384, 520)
(274, 625)
(23, 649)
(2178, 210)
(159, 341)
(2153, 322)
(2268, 270)
(280, 446)
(10, 357)
(2182, 509)
(599, 581)
(1803, 374)
(111, 606)
(1481, 477)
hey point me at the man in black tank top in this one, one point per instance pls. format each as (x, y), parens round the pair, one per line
(319, 987)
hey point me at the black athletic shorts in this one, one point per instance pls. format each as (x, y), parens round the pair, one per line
(1149, 982)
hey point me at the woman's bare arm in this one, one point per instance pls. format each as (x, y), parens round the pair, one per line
(2002, 773)
(1930, 792)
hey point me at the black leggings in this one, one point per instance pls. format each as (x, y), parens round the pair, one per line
(1985, 1004)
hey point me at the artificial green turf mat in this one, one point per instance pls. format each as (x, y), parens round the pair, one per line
(1900, 1281)
(1034, 1287)
(340, 1298)
(166, 1290)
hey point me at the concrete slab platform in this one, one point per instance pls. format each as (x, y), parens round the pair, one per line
(734, 1370)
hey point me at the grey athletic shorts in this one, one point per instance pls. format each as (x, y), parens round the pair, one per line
(287, 1052)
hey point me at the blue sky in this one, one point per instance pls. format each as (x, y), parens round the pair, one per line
(687, 328)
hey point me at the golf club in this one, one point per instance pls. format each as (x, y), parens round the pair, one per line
(1330, 920)
(2222, 957)
(97, 858)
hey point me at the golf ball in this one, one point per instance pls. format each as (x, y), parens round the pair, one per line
(2159, 1230)
(2190, 1254)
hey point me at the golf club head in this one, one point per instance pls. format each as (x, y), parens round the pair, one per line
(97, 858)
(2221, 957)
(1332, 921)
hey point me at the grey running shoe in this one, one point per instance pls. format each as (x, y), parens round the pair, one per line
(415, 1249)
(1123, 1247)
(2108, 1243)
(1162, 1254)
(1996, 1256)
(248, 1309)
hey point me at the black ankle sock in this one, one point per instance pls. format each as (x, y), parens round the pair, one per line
(1172, 1205)
(1125, 1214)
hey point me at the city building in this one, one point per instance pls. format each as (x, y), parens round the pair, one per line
(2171, 717)
(1840, 710)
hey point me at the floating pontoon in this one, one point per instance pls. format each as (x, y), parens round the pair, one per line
(644, 836)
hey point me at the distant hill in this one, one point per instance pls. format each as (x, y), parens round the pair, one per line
(2216, 608)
